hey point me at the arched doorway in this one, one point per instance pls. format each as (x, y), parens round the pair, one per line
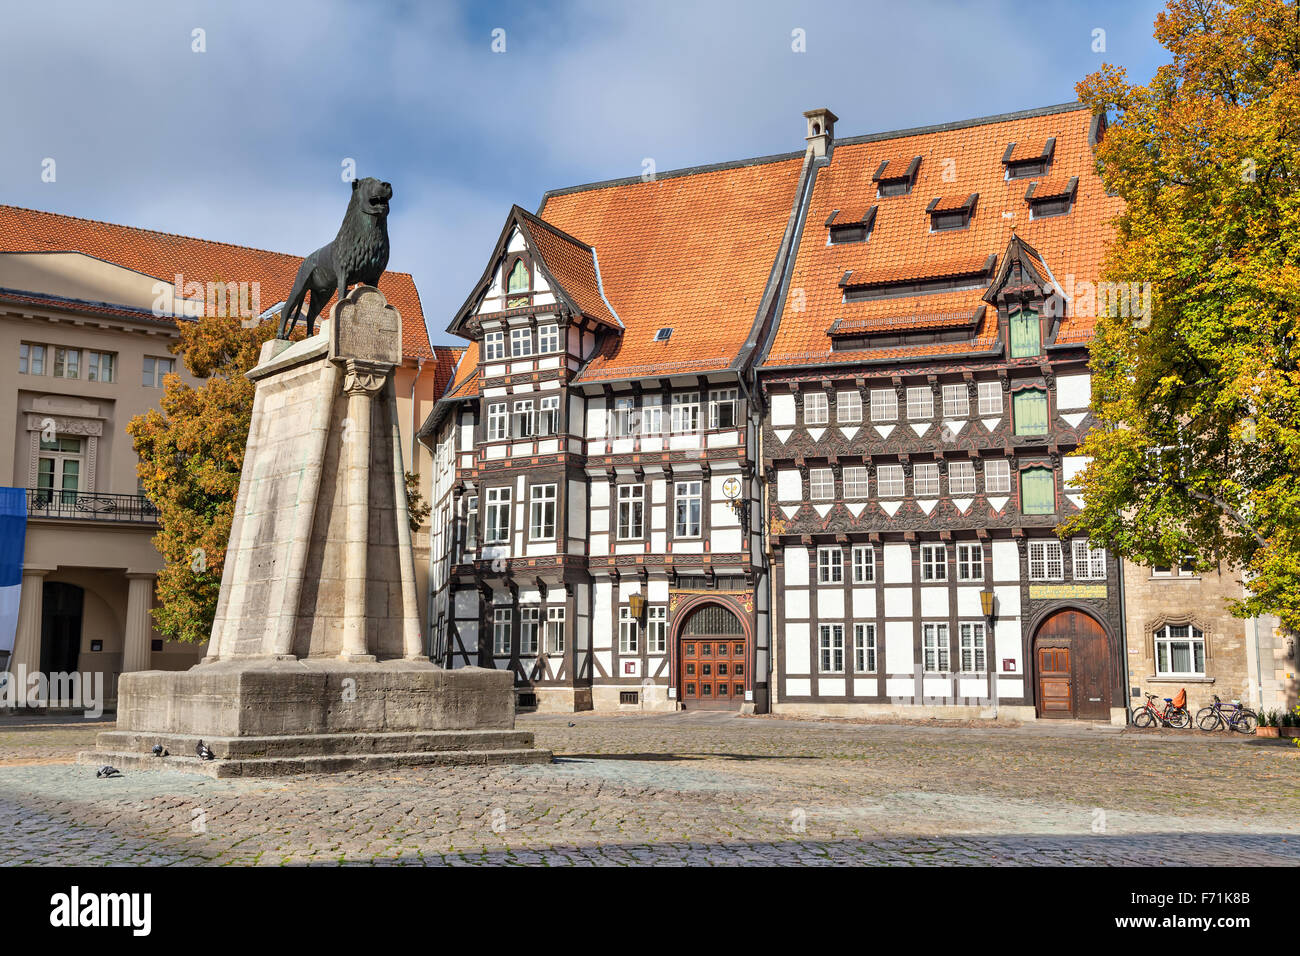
(61, 606)
(714, 659)
(1072, 667)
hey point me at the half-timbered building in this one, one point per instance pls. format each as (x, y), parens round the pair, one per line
(925, 391)
(790, 433)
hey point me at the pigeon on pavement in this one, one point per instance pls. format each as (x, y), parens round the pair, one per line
(107, 771)
(204, 752)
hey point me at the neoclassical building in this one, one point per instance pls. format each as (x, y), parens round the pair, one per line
(87, 336)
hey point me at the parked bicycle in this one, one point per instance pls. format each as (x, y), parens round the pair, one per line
(1219, 716)
(1173, 714)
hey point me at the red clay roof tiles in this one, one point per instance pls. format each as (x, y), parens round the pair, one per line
(902, 243)
(691, 252)
(163, 255)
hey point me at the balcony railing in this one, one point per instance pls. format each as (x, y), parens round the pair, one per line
(90, 506)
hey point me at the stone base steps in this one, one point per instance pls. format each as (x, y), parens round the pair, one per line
(287, 754)
(288, 766)
(303, 745)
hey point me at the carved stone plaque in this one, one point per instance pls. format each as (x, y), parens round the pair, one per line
(366, 327)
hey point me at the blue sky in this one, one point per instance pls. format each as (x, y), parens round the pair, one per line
(245, 142)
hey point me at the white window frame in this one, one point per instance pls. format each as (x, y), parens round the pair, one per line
(471, 522)
(1166, 638)
(628, 642)
(718, 398)
(523, 419)
(865, 651)
(31, 354)
(821, 484)
(848, 407)
(499, 503)
(920, 403)
(624, 423)
(997, 476)
(157, 368)
(935, 648)
(555, 630)
(631, 500)
(830, 649)
(1045, 560)
(1088, 564)
(530, 631)
(934, 562)
(498, 421)
(956, 401)
(685, 492)
(521, 342)
(925, 479)
(970, 561)
(973, 648)
(864, 564)
(884, 405)
(816, 409)
(501, 636)
(685, 413)
(61, 365)
(494, 346)
(890, 481)
(657, 629)
(548, 415)
(990, 399)
(856, 482)
(541, 512)
(830, 565)
(961, 478)
(548, 338)
(652, 416)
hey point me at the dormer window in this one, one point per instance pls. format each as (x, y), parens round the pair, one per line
(1026, 159)
(1051, 197)
(1024, 333)
(850, 225)
(951, 212)
(895, 177)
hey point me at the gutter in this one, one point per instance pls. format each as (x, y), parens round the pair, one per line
(415, 438)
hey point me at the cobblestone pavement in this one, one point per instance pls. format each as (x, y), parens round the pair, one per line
(687, 789)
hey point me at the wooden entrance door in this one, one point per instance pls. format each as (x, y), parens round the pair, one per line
(1073, 660)
(713, 660)
(1055, 686)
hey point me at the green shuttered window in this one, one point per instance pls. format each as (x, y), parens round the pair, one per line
(1026, 334)
(1030, 409)
(1037, 492)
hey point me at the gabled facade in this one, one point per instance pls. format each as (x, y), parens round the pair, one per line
(925, 396)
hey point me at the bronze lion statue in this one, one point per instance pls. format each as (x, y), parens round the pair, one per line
(359, 253)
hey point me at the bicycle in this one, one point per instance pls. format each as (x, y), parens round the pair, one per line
(1148, 716)
(1238, 718)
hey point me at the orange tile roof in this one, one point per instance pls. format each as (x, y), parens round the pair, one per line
(852, 215)
(949, 203)
(902, 244)
(901, 321)
(464, 383)
(573, 264)
(163, 255)
(1027, 151)
(1050, 187)
(692, 252)
(896, 167)
(445, 360)
(912, 271)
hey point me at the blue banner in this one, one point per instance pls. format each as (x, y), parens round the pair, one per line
(13, 533)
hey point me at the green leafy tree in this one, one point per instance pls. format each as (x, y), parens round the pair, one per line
(1198, 450)
(191, 452)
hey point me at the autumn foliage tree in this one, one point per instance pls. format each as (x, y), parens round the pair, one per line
(1198, 450)
(191, 452)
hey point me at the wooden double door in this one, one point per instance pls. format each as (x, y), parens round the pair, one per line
(713, 656)
(1072, 664)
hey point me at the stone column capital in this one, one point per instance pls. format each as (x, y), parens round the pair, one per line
(362, 377)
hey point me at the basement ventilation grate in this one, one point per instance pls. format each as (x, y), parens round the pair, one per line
(629, 697)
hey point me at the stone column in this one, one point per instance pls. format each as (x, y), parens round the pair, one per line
(362, 381)
(137, 641)
(27, 647)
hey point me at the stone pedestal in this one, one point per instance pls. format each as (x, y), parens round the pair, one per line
(316, 657)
